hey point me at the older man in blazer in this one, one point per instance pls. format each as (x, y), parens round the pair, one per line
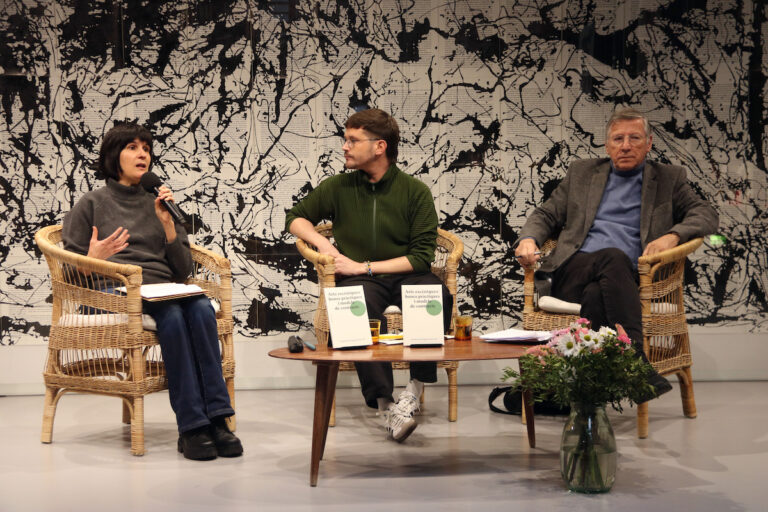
(606, 213)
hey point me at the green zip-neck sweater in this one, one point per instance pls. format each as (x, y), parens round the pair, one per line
(375, 221)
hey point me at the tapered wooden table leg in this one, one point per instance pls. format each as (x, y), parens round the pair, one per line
(528, 406)
(325, 388)
(528, 415)
(330, 401)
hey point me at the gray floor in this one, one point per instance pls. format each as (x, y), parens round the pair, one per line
(482, 462)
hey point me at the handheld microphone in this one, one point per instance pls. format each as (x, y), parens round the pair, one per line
(151, 183)
(295, 345)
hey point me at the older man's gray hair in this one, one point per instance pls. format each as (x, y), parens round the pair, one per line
(628, 114)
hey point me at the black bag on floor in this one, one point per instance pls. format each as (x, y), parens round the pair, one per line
(513, 403)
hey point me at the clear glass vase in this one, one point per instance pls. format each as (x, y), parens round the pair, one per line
(588, 450)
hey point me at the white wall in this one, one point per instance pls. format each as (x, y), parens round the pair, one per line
(719, 353)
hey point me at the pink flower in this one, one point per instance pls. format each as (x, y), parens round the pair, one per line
(623, 337)
(538, 350)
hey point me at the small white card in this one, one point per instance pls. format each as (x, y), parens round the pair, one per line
(348, 317)
(422, 314)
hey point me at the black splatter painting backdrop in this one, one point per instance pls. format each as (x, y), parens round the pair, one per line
(248, 98)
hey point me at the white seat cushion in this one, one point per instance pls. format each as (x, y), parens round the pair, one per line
(104, 319)
(663, 308)
(553, 305)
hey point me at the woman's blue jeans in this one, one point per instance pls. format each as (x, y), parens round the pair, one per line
(186, 329)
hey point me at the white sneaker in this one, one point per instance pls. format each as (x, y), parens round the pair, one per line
(407, 403)
(399, 425)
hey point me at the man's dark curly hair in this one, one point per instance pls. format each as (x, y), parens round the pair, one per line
(380, 124)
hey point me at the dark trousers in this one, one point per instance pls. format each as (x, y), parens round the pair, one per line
(604, 282)
(186, 329)
(381, 292)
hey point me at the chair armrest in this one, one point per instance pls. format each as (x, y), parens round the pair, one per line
(661, 275)
(212, 261)
(529, 290)
(325, 264)
(214, 275)
(79, 280)
(457, 250)
(118, 271)
(676, 253)
(312, 255)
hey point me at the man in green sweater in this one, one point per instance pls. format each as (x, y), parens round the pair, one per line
(385, 227)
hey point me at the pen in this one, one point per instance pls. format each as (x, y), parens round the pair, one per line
(309, 345)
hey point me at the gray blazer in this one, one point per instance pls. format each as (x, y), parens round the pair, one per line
(668, 204)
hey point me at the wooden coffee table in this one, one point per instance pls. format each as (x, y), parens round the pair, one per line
(328, 359)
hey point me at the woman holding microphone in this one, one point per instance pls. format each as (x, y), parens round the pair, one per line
(124, 223)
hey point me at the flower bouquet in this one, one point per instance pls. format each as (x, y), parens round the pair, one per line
(586, 369)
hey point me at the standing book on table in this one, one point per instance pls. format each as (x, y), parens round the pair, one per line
(348, 317)
(423, 315)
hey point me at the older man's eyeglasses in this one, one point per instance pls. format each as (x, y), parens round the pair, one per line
(634, 140)
(351, 142)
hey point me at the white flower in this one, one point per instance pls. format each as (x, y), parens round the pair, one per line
(567, 345)
(587, 342)
(603, 334)
(606, 331)
(588, 345)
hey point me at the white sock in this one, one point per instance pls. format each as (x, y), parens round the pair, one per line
(416, 387)
(383, 403)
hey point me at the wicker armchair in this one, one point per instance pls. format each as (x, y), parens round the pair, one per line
(447, 256)
(101, 343)
(665, 332)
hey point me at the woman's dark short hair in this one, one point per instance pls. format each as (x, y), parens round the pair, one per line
(380, 124)
(114, 142)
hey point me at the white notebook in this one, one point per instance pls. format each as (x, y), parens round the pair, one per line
(166, 291)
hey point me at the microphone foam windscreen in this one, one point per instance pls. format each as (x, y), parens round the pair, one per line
(150, 181)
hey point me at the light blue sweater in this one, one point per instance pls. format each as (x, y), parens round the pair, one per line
(617, 222)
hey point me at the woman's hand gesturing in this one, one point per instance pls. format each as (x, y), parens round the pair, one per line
(114, 243)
